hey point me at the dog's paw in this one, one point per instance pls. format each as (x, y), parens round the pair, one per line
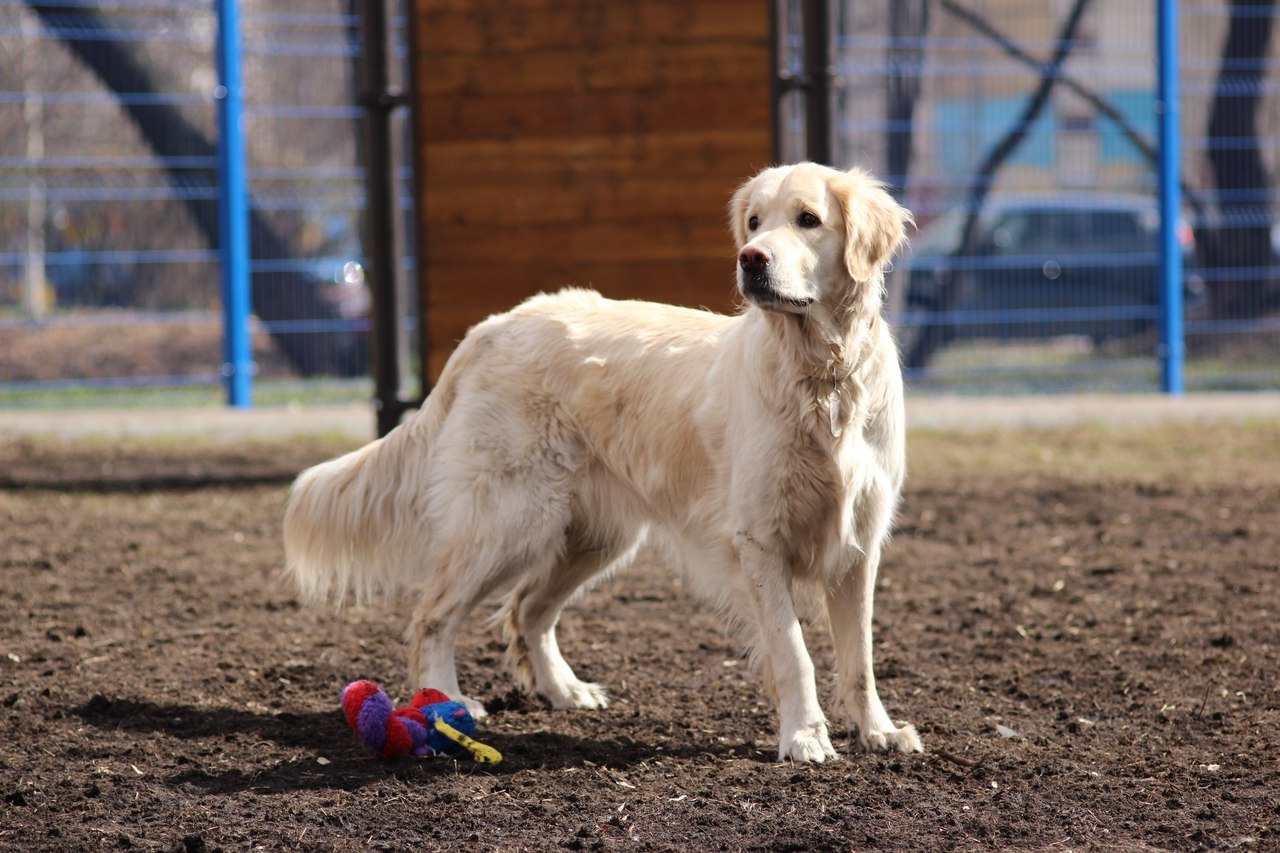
(891, 739)
(475, 707)
(810, 744)
(578, 694)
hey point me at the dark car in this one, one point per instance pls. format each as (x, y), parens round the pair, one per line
(1041, 267)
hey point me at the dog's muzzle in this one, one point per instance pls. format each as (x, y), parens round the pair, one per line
(755, 278)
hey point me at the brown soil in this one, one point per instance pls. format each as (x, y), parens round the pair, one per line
(1090, 651)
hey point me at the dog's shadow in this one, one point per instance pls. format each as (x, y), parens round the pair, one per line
(339, 762)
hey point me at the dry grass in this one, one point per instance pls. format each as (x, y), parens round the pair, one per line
(105, 349)
(1203, 453)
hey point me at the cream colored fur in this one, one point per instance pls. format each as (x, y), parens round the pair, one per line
(564, 432)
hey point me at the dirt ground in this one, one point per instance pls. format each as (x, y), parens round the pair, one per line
(1082, 624)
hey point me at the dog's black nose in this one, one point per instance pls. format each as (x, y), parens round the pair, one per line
(754, 259)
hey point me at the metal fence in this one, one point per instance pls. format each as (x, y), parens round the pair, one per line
(1023, 134)
(109, 189)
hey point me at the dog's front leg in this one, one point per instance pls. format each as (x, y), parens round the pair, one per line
(849, 610)
(803, 734)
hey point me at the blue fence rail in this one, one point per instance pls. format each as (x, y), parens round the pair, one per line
(1025, 136)
(233, 211)
(110, 185)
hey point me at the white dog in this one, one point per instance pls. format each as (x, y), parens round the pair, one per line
(766, 450)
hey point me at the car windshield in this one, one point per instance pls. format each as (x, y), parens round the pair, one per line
(1033, 231)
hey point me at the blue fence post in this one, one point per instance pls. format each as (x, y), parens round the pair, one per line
(233, 213)
(1172, 346)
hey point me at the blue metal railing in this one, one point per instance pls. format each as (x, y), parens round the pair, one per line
(233, 211)
(1172, 352)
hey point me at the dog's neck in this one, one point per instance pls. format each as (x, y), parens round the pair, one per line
(839, 388)
(827, 353)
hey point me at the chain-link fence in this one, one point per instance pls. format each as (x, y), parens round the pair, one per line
(1024, 137)
(1022, 133)
(109, 266)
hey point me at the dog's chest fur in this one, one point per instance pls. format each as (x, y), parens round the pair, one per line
(818, 499)
(823, 490)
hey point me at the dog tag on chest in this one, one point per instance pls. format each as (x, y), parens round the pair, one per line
(833, 407)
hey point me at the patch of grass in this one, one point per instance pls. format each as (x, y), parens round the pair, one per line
(266, 393)
(90, 463)
(1204, 453)
(1072, 364)
(1220, 453)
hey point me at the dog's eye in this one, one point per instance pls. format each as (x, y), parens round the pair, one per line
(753, 223)
(808, 220)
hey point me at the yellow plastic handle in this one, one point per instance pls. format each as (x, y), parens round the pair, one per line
(481, 753)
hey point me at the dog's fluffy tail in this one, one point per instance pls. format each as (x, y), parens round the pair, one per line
(359, 525)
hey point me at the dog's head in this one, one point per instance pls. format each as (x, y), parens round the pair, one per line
(811, 236)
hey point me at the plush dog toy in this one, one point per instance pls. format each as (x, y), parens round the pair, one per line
(433, 725)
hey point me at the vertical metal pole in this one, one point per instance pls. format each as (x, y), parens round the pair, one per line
(35, 290)
(818, 74)
(1172, 346)
(776, 89)
(233, 212)
(418, 159)
(379, 243)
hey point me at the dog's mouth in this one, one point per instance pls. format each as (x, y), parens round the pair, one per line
(762, 294)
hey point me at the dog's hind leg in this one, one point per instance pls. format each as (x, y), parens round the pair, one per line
(532, 612)
(462, 580)
(506, 516)
(849, 606)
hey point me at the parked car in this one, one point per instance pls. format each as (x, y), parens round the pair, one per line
(1042, 266)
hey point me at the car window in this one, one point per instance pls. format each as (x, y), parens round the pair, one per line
(1038, 232)
(1029, 232)
(1033, 230)
(1119, 231)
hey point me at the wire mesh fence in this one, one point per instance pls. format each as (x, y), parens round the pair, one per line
(1231, 76)
(1023, 136)
(109, 273)
(1022, 133)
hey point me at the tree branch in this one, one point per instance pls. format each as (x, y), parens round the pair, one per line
(1105, 108)
(1049, 76)
(930, 339)
(279, 296)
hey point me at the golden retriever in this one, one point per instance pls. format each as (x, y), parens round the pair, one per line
(764, 450)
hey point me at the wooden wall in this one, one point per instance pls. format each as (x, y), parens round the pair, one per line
(585, 142)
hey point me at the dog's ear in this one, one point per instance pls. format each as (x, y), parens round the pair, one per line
(875, 224)
(738, 212)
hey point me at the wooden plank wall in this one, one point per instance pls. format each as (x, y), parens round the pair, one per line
(584, 142)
